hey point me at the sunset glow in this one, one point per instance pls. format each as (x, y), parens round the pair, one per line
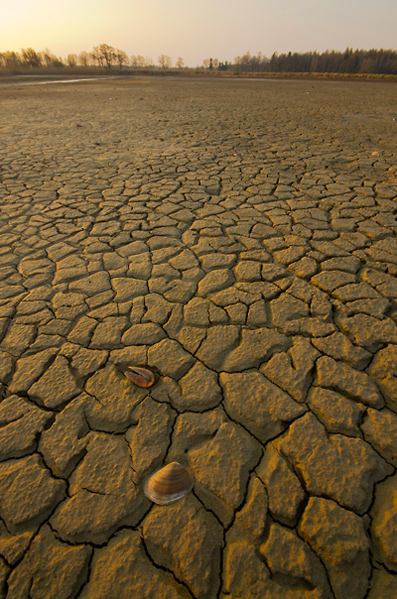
(197, 29)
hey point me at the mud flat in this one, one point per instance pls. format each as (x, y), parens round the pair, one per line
(238, 239)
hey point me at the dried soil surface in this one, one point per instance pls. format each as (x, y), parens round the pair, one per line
(239, 239)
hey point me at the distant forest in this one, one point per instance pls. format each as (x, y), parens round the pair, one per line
(354, 62)
(382, 62)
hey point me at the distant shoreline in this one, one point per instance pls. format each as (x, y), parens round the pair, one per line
(24, 78)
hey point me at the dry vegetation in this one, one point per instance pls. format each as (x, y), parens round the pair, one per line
(367, 64)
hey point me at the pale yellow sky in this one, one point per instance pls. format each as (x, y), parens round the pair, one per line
(197, 29)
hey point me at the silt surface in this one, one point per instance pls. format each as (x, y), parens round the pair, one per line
(238, 239)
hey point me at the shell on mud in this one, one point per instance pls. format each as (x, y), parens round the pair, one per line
(168, 484)
(140, 376)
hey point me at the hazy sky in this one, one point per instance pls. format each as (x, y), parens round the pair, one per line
(197, 29)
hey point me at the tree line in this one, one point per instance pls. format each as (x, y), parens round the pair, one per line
(104, 56)
(382, 62)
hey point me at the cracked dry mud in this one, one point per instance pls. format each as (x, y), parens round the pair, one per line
(238, 238)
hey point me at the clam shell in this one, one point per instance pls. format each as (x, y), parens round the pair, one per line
(168, 484)
(140, 376)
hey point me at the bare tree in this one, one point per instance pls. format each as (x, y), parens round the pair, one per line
(104, 55)
(108, 53)
(97, 57)
(139, 62)
(165, 61)
(180, 63)
(144, 61)
(47, 58)
(10, 60)
(32, 57)
(84, 59)
(206, 63)
(121, 58)
(57, 62)
(71, 60)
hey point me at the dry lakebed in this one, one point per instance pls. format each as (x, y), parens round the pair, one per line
(234, 243)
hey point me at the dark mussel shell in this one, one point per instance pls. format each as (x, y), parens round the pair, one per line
(140, 376)
(168, 484)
